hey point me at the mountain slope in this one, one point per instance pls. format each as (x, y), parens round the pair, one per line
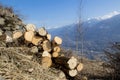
(98, 34)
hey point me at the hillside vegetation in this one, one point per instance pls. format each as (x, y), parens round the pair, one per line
(30, 54)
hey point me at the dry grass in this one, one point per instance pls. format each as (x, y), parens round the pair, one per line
(16, 65)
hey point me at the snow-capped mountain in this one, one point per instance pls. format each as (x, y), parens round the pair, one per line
(110, 15)
(98, 32)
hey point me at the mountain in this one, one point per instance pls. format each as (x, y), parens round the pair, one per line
(98, 33)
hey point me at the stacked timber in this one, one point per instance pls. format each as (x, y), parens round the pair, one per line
(16, 34)
(49, 49)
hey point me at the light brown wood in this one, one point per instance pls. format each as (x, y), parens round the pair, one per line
(17, 34)
(72, 62)
(56, 49)
(30, 27)
(46, 46)
(79, 67)
(62, 75)
(42, 31)
(46, 54)
(55, 54)
(46, 62)
(58, 40)
(73, 72)
(48, 36)
(36, 40)
(29, 36)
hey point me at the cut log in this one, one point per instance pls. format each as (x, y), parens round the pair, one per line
(30, 27)
(29, 36)
(69, 63)
(69, 72)
(55, 54)
(61, 75)
(9, 36)
(48, 36)
(58, 40)
(46, 54)
(46, 62)
(17, 34)
(79, 67)
(42, 31)
(73, 72)
(56, 49)
(72, 62)
(36, 40)
(46, 46)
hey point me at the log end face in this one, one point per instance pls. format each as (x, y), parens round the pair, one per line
(72, 73)
(58, 40)
(55, 54)
(42, 31)
(30, 27)
(80, 67)
(29, 36)
(72, 62)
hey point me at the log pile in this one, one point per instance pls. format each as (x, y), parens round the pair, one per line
(15, 34)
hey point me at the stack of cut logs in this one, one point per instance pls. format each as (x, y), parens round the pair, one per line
(13, 31)
(49, 49)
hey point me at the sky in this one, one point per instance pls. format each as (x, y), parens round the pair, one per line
(57, 13)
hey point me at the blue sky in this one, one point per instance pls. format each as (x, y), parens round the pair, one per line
(56, 13)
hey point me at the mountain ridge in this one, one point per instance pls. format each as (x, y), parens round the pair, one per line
(97, 35)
